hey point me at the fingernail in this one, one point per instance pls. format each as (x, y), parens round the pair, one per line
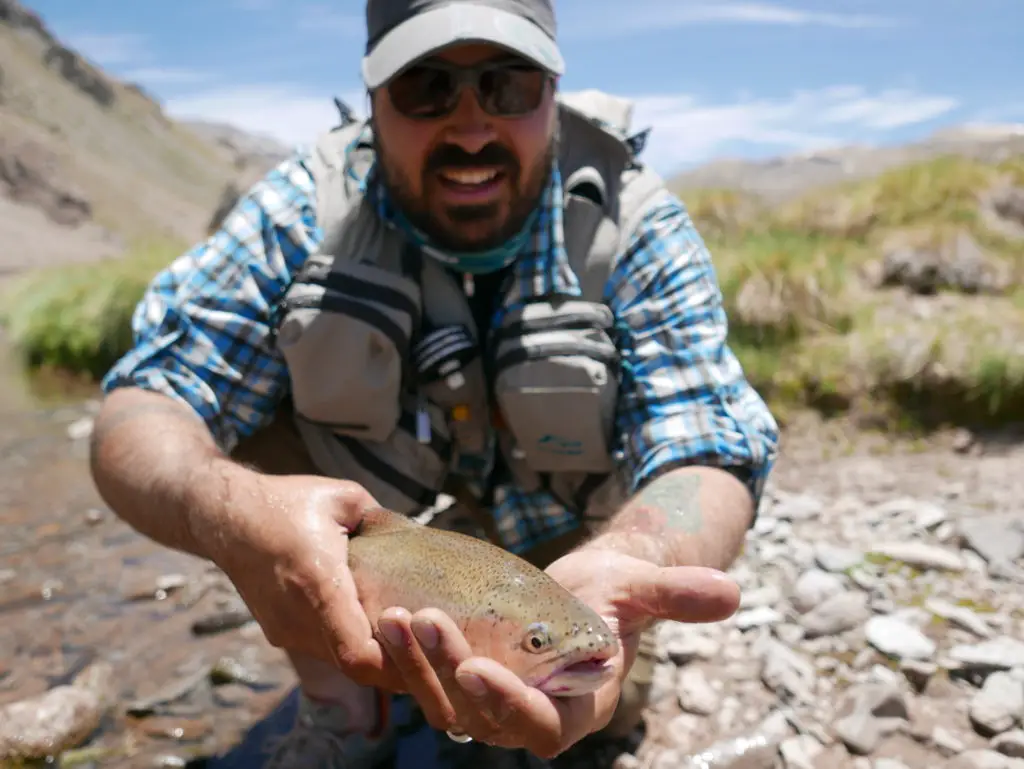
(473, 684)
(391, 632)
(426, 634)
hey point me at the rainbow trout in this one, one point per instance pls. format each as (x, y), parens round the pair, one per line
(508, 609)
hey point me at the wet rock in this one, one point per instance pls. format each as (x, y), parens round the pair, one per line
(57, 720)
(222, 621)
(178, 729)
(897, 638)
(999, 706)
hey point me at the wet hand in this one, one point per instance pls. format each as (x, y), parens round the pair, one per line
(286, 554)
(479, 697)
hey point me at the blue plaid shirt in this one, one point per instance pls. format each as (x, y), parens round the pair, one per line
(201, 336)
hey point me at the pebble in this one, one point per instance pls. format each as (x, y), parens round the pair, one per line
(897, 638)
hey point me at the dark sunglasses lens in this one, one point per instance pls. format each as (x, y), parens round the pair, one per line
(511, 91)
(423, 92)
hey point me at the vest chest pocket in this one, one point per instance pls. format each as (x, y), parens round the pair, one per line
(344, 334)
(555, 374)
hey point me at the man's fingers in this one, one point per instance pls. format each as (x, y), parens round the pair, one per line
(543, 726)
(419, 677)
(684, 593)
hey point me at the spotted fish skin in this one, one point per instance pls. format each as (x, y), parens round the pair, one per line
(508, 609)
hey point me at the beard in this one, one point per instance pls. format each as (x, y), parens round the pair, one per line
(469, 227)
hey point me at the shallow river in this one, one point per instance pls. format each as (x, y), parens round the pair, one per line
(77, 586)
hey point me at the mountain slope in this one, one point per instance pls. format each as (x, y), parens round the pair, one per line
(790, 176)
(90, 165)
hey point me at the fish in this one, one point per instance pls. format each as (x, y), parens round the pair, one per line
(507, 609)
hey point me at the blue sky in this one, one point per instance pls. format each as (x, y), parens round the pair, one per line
(713, 79)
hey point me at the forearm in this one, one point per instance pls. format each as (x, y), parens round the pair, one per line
(155, 464)
(690, 516)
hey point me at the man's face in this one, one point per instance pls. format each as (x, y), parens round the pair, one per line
(467, 178)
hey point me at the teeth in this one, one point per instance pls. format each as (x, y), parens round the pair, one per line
(469, 177)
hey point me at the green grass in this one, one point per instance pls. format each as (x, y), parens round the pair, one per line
(811, 328)
(78, 318)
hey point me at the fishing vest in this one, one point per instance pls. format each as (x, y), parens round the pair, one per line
(389, 386)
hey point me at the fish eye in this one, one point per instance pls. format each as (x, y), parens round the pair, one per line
(537, 638)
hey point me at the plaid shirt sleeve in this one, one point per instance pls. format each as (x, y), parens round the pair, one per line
(201, 331)
(684, 399)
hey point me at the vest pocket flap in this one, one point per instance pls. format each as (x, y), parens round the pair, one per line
(549, 315)
(344, 336)
(555, 381)
(560, 412)
(402, 473)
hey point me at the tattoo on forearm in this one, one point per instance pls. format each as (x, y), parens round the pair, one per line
(670, 503)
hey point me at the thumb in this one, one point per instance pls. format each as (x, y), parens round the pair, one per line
(683, 593)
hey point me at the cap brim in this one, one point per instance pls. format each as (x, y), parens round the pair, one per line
(458, 23)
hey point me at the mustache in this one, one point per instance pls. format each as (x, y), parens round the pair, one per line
(452, 156)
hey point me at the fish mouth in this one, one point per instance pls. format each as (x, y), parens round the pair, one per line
(574, 676)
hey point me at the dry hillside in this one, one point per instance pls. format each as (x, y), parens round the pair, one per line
(90, 165)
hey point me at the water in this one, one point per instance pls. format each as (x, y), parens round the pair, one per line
(68, 570)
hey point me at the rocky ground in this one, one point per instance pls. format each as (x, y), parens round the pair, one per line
(882, 623)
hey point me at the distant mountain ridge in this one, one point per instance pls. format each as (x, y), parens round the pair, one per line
(787, 176)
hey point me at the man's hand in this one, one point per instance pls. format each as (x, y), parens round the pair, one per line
(481, 698)
(284, 546)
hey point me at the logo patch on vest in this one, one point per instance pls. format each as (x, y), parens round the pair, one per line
(558, 445)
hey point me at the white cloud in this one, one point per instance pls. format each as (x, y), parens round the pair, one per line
(649, 15)
(280, 111)
(686, 130)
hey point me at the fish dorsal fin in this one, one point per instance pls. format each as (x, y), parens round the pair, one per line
(380, 520)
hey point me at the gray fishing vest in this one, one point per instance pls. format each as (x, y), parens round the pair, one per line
(390, 389)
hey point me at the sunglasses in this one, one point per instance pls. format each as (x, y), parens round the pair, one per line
(504, 89)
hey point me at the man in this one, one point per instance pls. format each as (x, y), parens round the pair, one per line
(480, 291)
